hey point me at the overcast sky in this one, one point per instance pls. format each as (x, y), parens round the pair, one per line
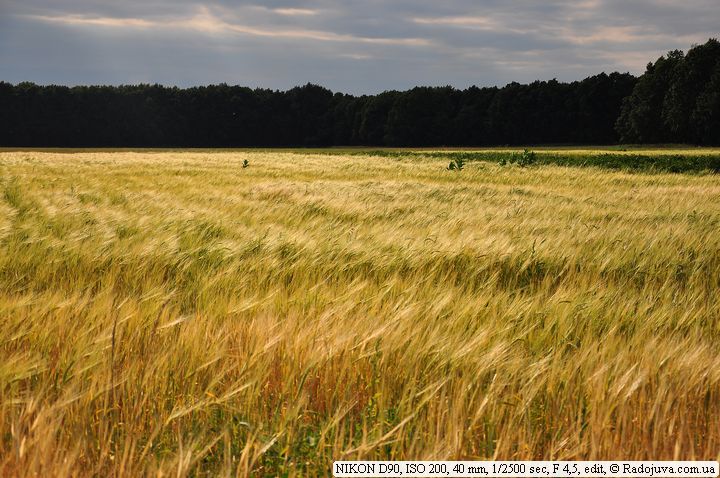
(354, 46)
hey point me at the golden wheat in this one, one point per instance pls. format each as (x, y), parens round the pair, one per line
(173, 313)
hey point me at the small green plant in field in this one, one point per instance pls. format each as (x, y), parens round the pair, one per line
(245, 163)
(526, 158)
(456, 164)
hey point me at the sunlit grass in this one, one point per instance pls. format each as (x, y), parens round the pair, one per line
(175, 313)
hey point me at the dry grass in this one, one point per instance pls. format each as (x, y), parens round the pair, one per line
(175, 314)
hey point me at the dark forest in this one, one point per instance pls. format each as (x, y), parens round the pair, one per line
(676, 100)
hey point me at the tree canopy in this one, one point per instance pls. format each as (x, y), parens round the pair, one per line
(676, 100)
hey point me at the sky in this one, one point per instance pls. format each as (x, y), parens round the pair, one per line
(353, 46)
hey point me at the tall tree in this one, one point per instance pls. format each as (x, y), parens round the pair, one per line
(641, 119)
(675, 100)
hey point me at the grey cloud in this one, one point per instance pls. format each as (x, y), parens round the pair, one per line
(358, 46)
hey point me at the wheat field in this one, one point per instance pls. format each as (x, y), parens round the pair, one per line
(175, 314)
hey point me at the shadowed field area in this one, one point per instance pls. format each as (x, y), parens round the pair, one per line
(175, 313)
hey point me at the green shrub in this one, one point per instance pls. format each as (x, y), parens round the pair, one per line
(526, 158)
(456, 164)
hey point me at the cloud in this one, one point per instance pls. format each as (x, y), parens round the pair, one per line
(293, 12)
(359, 46)
(205, 21)
(95, 21)
(485, 23)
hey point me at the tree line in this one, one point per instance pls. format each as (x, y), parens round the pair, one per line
(676, 100)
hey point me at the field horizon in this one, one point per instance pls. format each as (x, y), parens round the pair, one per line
(265, 312)
(566, 148)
